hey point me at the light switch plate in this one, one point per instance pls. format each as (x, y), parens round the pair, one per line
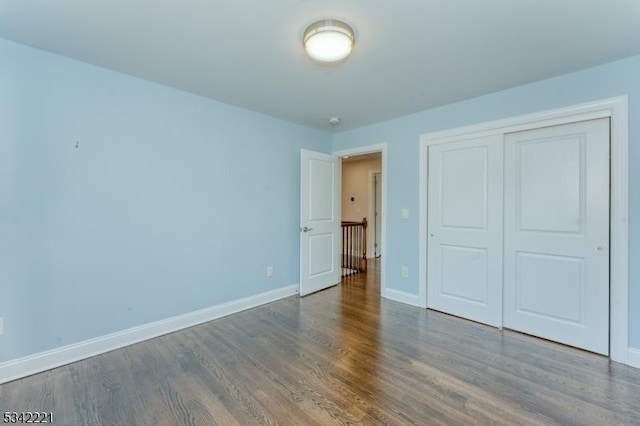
(405, 213)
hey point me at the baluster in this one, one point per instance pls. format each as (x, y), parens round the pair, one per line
(354, 250)
(363, 263)
(356, 257)
(351, 249)
(352, 246)
(342, 262)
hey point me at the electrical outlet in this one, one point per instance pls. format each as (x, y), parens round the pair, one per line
(405, 272)
(269, 271)
(1, 326)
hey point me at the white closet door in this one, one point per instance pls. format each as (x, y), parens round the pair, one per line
(465, 229)
(557, 234)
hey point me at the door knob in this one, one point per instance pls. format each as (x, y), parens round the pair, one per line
(305, 229)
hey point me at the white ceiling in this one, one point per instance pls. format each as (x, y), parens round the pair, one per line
(410, 55)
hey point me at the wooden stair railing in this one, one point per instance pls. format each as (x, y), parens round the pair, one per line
(354, 247)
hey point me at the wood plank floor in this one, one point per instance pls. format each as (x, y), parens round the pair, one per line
(341, 356)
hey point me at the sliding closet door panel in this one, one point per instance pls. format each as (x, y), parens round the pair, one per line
(465, 229)
(557, 234)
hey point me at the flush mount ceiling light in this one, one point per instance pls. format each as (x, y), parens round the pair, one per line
(328, 40)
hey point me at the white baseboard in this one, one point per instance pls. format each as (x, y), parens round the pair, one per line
(32, 364)
(403, 297)
(634, 357)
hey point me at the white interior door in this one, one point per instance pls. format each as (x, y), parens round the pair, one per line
(377, 207)
(319, 222)
(557, 234)
(465, 224)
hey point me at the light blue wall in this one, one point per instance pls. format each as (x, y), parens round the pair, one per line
(170, 203)
(402, 135)
(173, 202)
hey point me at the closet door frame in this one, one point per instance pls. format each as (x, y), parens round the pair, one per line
(616, 109)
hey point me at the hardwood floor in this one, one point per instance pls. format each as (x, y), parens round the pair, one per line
(340, 356)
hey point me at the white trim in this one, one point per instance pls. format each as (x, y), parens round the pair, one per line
(403, 297)
(422, 221)
(617, 110)
(381, 147)
(572, 114)
(32, 364)
(371, 233)
(634, 357)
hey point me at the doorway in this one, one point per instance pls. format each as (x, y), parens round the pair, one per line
(359, 202)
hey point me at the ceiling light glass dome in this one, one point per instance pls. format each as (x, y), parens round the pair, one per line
(328, 40)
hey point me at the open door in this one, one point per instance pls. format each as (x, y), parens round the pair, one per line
(319, 222)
